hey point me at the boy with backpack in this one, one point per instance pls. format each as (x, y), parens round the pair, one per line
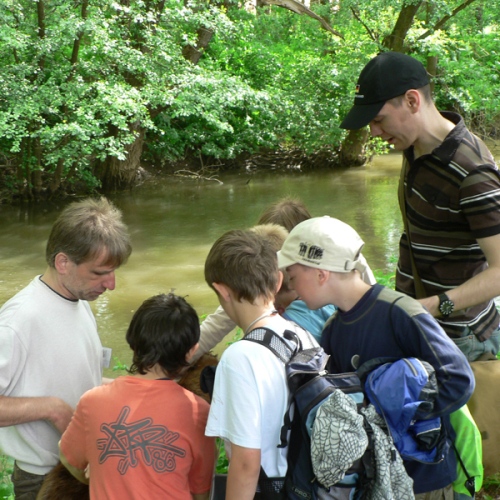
(143, 436)
(250, 392)
(287, 213)
(321, 257)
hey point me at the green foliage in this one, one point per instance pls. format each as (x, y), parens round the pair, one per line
(6, 486)
(274, 79)
(470, 76)
(387, 277)
(238, 335)
(119, 366)
(129, 63)
(216, 115)
(492, 486)
(222, 461)
(290, 58)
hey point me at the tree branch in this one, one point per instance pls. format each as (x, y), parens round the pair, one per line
(300, 9)
(369, 31)
(446, 18)
(76, 43)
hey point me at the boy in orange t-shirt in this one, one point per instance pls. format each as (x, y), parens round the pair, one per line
(143, 435)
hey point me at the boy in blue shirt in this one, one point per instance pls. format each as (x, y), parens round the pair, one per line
(322, 259)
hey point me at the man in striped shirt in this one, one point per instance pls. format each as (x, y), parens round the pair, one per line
(451, 196)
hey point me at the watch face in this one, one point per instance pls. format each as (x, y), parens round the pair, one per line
(446, 307)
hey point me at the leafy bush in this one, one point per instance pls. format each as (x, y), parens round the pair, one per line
(266, 80)
(6, 486)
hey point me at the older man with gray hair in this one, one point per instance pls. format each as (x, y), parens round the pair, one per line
(50, 351)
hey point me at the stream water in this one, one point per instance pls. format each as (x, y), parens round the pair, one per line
(173, 223)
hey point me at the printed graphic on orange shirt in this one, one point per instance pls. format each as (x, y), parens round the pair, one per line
(132, 440)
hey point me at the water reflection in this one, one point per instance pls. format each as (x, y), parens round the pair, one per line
(173, 223)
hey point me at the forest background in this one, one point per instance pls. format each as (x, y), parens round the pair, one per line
(90, 90)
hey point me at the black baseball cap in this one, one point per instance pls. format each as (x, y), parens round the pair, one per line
(386, 76)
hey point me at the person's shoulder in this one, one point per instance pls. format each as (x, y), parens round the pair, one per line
(19, 299)
(99, 393)
(191, 398)
(240, 351)
(21, 309)
(245, 356)
(401, 301)
(473, 153)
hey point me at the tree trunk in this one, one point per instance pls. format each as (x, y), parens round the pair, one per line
(57, 176)
(77, 41)
(41, 27)
(395, 41)
(193, 54)
(352, 152)
(19, 168)
(432, 71)
(116, 174)
(36, 174)
(120, 174)
(478, 14)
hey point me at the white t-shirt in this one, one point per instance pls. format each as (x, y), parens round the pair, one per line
(251, 396)
(49, 346)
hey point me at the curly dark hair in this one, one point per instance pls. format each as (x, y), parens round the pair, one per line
(163, 330)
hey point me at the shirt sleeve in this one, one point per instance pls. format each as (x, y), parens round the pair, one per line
(424, 338)
(213, 329)
(235, 411)
(12, 359)
(200, 475)
(480, 201)
(73, 440)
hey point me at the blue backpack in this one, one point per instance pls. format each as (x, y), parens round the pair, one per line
(310, 386)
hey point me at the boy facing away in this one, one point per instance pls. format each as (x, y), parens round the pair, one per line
(143, 435)
(321, 257)
(250, 391)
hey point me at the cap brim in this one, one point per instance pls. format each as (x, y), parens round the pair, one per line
(361, 115)
(284, 261)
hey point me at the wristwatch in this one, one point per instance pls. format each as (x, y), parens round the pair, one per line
(446, 305)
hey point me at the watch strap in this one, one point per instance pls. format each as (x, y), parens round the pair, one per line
(446, 305)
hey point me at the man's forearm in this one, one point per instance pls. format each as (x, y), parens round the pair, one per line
(14, 411)
(480, 288)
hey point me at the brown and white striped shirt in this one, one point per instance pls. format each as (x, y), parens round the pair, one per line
(452, 198)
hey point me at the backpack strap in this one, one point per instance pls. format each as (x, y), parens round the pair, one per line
(276, 343)
(284, 352)
(393, 330)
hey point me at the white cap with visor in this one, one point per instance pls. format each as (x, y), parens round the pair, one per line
(323, 243)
